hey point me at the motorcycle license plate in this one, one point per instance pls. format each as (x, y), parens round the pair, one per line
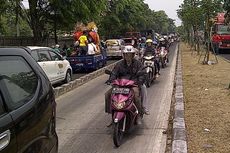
(121, 91)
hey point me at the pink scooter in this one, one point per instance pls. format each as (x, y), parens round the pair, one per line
(124, 111)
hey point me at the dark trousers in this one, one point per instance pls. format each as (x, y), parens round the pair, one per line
(216, 47)
(83, 50)
(157, 66)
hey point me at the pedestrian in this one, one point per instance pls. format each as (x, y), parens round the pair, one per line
(57, 48)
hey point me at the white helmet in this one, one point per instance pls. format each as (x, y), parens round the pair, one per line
(128, 49)
(162, 39)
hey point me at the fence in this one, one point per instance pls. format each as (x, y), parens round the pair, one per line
(31, 41)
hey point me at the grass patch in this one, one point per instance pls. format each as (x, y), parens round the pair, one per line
(207, 104)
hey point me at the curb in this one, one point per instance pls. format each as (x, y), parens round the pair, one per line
(179, 144)
(58, 91)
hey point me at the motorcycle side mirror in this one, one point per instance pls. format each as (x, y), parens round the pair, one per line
(108, 72)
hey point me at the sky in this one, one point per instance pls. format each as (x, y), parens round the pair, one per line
(169, 6)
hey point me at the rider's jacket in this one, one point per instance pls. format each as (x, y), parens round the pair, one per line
(122, 70)
(149, 50)
(163, 45)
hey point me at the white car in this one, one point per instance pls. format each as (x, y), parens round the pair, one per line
(54, 65)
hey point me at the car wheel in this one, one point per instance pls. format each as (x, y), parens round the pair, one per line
(101, 64)
(68, 77)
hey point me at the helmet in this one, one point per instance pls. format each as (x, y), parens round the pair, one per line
(57, 46)
(154, 42)
(128, 49)
(149, 41)
(162, 39)
(143, 39)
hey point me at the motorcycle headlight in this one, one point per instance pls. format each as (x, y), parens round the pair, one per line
(147, 63)
(119, 105)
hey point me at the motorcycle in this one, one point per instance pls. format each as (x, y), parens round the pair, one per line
(123, 109)
(139, 54)
(163, 53)
(150, 69)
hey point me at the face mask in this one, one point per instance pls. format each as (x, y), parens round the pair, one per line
(128, 59)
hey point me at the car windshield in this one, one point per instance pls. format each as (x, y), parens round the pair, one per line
(223, 29)
(112, 43)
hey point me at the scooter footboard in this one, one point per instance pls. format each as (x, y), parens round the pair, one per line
(118, 116)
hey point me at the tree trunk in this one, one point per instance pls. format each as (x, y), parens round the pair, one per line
(55, 27)
(34, 19)
(17, 8)
(209, 31)
(195, 37)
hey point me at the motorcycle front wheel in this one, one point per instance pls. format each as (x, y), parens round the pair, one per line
(162, 62)
(118, 134)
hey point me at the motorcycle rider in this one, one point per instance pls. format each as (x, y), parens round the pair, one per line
(142, 42)
(128, 68)
(151, 49)
(163, 43)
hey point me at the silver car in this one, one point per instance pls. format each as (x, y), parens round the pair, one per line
(114, 47)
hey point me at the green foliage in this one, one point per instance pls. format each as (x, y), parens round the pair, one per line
(113, 17)
(10, 17)
(134, 15)
(195, 14)
(227, 8)
(227, 5)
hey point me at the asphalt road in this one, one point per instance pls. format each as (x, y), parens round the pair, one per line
(227, 56)
(81, 121)
(77, 75)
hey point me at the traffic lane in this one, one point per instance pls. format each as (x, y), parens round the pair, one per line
(226, 56)
(81, 121)
(77, 75)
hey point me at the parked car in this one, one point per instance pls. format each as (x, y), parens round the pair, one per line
(27, 105)
(114, 47)
(55, 66)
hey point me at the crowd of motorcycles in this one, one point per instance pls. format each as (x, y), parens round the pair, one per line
(151, 62)
(122, 106)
